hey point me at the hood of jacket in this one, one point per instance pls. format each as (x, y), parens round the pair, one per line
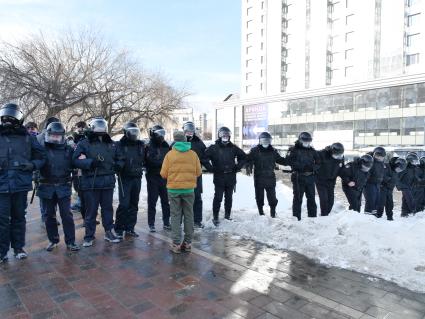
(182, 146)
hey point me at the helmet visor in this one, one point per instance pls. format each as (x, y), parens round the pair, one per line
(265, 141)
(225, 134)
(189, 128)
(54, 138)
(11, 112)
(366, 168)
(133, 133)
(99, 126)
(159, 133)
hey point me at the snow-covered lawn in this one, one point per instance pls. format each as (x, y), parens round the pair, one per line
(391, 250)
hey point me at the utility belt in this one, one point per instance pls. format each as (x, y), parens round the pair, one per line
(305, 173)
(12, 165)
(55, 181)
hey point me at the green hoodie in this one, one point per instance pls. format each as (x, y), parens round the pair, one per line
(181, 147)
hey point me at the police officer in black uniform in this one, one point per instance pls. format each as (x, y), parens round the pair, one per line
(98, 158)
(395, 166)
(55, 186)
(331, 161)
(419, 189)
(199, 148)
(407, 181)
(373, 185)
(156, 185)
(354, 176)
(129, 180)
(305, 162)
(263, 158)
(226, 160)
(20, 155)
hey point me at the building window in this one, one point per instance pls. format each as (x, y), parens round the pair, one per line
(262, 32)
(285, 8)
(248, 76)
(262, 59)
(248, 11)
(248, 49)
(412, 59)
(349, 19)
(412, 39)
(261, 86)
(347, 3)
(411, 3)
(284, 52)
(262, 18)
(412, 19)
(262, 45)
(284, 38)
(262, 73)
(349, 36)
(185, 118)
(349, 54)
(262, 5)
(247, 88)
(248, 24)
(348, 71)
(248, 62)
(248, 37)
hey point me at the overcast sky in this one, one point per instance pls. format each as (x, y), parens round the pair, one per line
(194, 42)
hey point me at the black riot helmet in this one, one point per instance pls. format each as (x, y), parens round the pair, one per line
(157, 133)
(11, 115)
(398, 164)
(366, 162)
(189, 130)
(55, 133)
(412, 159)
(422, 161)
(131, 131)
(379, 153)
(224, 134)
(98, 126)
(305, 139)
(50, 120)
(337, 150)
(265, 139)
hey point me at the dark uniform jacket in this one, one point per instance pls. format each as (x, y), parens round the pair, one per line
(18, 148)
(390, 178)
(55, 175)
(102, 177)
(264, 160)
(155, 154)
(133, 153)
(304, 161)
(352, 172)
(408, 178)
(329, 167)
(376, 173)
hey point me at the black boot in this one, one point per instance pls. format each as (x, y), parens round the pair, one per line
(227, 216)
(273, 211)
(260, 210)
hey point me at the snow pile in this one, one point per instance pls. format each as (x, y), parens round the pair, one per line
(391, 250)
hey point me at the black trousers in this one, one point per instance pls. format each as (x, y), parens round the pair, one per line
(157, 187)
(354, 197)
(64, 205)
(371, 195)
(418, 195)
(303, 185)
(198, 204)
(385, 202)
(76, 184)
(12, 221)
(95, 198)
(270, 193)
(224, 185)
(126, 215)
(407, 202)
(326, 192)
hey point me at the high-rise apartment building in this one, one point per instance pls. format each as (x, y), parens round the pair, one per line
(351, 67)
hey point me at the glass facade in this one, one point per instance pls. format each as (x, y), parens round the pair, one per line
(386, 116)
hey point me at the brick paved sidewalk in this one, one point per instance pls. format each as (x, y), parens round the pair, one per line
(224, 277)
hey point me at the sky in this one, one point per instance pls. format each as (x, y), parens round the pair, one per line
(195, 43)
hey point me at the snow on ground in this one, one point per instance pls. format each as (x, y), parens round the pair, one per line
(390, 250)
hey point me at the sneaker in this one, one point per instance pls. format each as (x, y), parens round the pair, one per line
(186, 247)
(110, 237)
(198, 225)
(131, 233)
(88, 243)
(3, 259)
(176, 248)
(216, 222)
(152, 229)
(20, 254)
(373, 212)
(120, 234)
(167, 227)
(73, 247)
(51, 246)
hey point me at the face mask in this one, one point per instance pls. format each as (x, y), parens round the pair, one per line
(225, 139)
(398, 169)
(365, 168)
(379, 158)
(337, 157)
(265, 145)
(306, 144)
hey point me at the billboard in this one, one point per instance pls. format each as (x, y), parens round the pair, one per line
(255, 120)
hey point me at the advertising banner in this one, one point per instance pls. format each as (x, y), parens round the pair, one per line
(255, 120)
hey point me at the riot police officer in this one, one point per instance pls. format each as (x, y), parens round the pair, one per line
(226, 160)
(132, 149)
(354, 176)
(263, 158)
(331, 161)
(98, 158)
(55, 186)
(305, 162)
(395, 166)
(376, 175)
(156, 150)
(407, 181)
(20, 155)
(199, 148)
